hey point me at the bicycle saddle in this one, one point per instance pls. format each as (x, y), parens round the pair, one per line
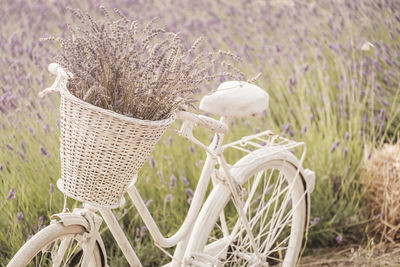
(235, 99)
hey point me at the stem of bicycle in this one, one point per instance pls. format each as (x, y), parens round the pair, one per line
(238, 204)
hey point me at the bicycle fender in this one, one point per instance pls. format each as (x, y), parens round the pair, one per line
(71, 218)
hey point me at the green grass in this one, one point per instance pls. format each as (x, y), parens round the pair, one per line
(326, 92)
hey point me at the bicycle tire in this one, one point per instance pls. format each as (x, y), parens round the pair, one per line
(233, 248)
(50, 238)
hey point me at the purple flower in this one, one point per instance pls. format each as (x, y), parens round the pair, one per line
(339, 239)
(382, 114)
(286, 128)
(189, 192)
(168, 198)
(143, 231)
(184, 180)
(315, 221)
(365, 119)
(172, 183)
(20, 216)
(40, 221)
(345, 151)
(312, 118)
(385, 103)
(160, 175)
(192, 149)
(9, 146)
(51, 189)
(44, 151)
(152, 163)
(148, 203)
(170, 140)
(199, 163)
(189, 201)
(11, 194)
(334, 146)
(1, 168)
(23, 146)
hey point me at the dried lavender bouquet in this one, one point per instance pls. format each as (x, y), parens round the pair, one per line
(141, 72)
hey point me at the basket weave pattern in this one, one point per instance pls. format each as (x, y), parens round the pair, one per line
(101, 150)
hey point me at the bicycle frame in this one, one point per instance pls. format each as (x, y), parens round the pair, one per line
(214, 156)
(180, 238)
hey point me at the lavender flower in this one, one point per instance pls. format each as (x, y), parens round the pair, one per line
(339, 239)
(168, 198)
(51, 189)
(148, 203)
(20, 216)
(170, 140)
(184, 180)
(159, 75)
(192, 149)
(23, 145)
(44, 152)
(40, 221)
(11, 194)
(172, 183)
(345, 151)
(161, 176)
(9, 146)
(152, 163)
(1, 168)
(334, 146)
(143, 231)
(199, 163)
(315, 221)
(189, 192)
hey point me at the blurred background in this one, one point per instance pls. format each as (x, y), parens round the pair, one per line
(332, 71)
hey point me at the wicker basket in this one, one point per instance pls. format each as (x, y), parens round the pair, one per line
(102, 151)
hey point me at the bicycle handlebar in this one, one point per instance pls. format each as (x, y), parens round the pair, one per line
(203, 121)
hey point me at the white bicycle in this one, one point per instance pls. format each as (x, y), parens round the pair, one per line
(255, 215)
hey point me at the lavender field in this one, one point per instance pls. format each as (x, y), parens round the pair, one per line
(331, 68)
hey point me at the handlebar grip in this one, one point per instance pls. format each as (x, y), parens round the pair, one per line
(53, 67)
(56, 69)
(203, 121)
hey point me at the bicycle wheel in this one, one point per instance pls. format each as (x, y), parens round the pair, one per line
(275, 203)
(56, 245)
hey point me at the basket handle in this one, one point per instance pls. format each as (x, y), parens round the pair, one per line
(61, 74)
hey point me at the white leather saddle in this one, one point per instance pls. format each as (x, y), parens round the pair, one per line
(235, 99)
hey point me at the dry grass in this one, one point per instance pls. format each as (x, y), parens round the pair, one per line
(381, 177)
(372, 255)
(139, 71)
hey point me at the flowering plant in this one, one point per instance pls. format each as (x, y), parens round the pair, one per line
(141, 72)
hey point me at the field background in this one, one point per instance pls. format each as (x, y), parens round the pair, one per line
(332, 70)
